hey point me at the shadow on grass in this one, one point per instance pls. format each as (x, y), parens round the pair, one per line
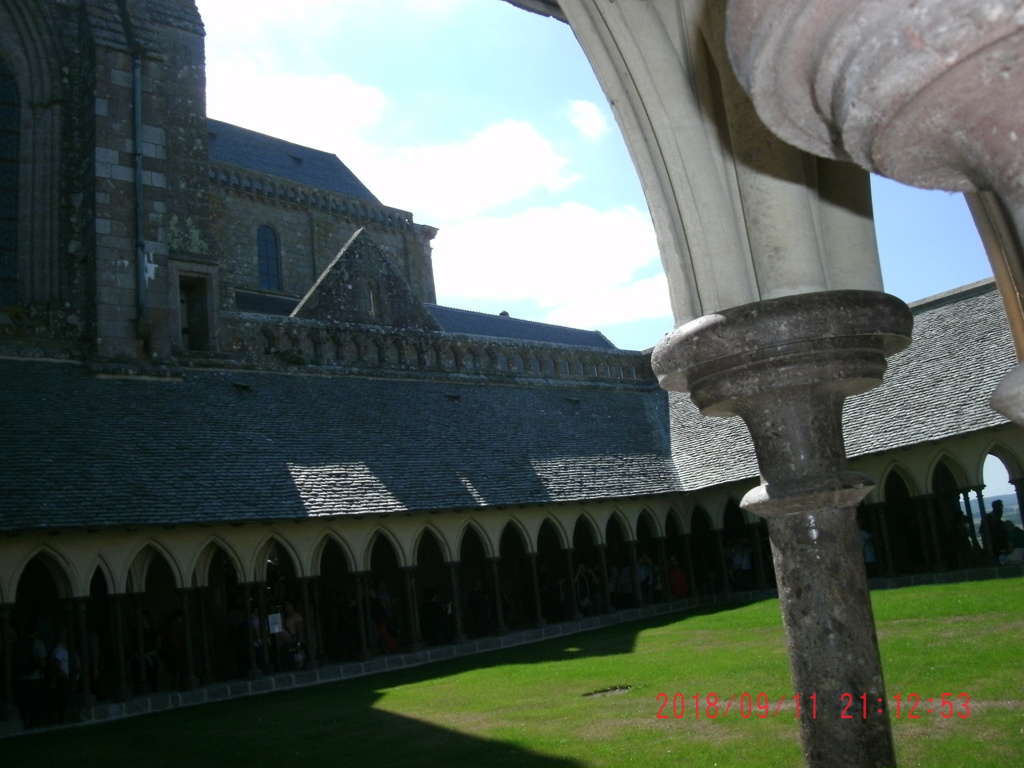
(328, 724)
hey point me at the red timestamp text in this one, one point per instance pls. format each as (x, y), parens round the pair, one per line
(711, 706)
(851, 706)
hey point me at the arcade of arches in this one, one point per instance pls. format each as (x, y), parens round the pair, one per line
(177, 608)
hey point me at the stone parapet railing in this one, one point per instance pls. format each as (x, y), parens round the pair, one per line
(275, 343)
(271, 188)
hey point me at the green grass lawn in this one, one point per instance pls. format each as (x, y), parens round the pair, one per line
(530, 706)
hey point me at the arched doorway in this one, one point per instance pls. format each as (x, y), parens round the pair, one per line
(516, 579)
(907, 542)
(339, 605)
(437, 622)
(474, 577)
(552, 575)
(388, 608)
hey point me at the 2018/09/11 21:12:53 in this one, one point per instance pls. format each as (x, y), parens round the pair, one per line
(908, 706)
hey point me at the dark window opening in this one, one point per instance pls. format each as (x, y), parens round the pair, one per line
(269, 260)
(193, 295)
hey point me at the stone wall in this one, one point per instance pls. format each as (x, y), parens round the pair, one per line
(311, 227)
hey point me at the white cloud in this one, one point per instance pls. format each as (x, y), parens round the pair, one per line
(497, 165)
(577, 263)
(328, 112)
(588, 119)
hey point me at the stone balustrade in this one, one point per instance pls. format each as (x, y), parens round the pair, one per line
(274, 343)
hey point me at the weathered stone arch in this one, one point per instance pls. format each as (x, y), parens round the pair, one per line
(101, 564)
(585, 522)
(199, 566)
(485, 540)
(401, 556)
(65, 577)
(440, 539)
(1010, 460)
(259, 569)
(904, 475)
(952, 465)
(331, 535)
(139, 561)
(652, 522)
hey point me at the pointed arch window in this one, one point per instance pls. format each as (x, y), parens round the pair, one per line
(269, 259)
(9, 149)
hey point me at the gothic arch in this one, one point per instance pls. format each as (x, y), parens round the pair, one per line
(485, 541)
(954, 467)
(439, 538)
(1009, 459)
(99, 563)
(318, 552)
(564, 537)
(904, 475)
(652, 523)
(65, 577)
(388, 535)
(628, 534)
(139, 562)
(586, 521)
(199, 568)
(259, 571)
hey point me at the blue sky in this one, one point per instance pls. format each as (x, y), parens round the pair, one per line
(487, 122)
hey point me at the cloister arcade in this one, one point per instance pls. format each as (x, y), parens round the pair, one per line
(205, 598)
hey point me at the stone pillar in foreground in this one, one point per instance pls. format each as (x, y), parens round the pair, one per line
(926, 92)
(785, 367)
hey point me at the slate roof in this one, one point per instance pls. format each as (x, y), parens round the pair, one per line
(275, 157)
(497, 326)
(937, 388)
(87, 451)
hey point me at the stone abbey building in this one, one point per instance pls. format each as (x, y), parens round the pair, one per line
(226, 389)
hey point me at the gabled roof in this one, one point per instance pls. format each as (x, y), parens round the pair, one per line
(502, 327)
(936, 389)
(275, 157)
(86, 451)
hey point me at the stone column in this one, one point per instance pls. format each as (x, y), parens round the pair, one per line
(142, 679)
(499, 608)
(361, 610)
(659, 545)
(965, 494)
(1018, 487)
(254, 633)
(723, 565)
(602, 559)
(190, 682)
(538, 608)
(785, 366)
(986, 539)
(689, 565)
(123, 692)
(81, 607)
(206, 665)
(9, 718)
(460, 624)
(265, 639)
(311, 621)
(574, 608)
(412, 609)
(634, 576)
